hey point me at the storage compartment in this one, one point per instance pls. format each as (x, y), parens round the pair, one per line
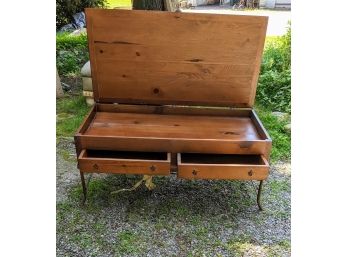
(174, 129)
(123, 162)
(222, 166)
(172, 126)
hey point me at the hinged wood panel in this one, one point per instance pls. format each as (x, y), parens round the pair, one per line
(152, 57)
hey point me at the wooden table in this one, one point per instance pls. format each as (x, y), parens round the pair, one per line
(174, 94)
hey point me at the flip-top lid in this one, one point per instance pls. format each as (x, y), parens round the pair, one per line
(151, 57)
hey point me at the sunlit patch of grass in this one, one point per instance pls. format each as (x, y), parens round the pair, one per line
(239, 244)
(282, 248)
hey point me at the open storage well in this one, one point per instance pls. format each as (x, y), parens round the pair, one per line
(173, 129)
(172, 126)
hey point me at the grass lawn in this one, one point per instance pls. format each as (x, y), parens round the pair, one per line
(71, 111)
(119, 3)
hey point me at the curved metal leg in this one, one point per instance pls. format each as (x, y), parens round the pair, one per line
(259, 196)
(84, 188)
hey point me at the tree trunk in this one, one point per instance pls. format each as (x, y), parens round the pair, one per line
(171, 5)
(148, 5)
(59, 89)
(159, 5)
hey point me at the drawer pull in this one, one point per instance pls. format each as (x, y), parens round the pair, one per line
(194, 172)
(95, 166)
(152, 168)
(250, 173)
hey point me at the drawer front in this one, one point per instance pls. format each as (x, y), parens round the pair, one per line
(100, 164)
(208, 170)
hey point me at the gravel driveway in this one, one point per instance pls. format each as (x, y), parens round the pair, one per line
(179, 218)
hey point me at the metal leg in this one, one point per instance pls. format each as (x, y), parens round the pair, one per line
(259, 196)
(89, 179)
(84, 188)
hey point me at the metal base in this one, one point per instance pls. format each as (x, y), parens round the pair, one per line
(84, 186)
(259, 196)
(84, 189)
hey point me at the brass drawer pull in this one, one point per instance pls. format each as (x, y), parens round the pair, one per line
(95, 166)
(153, 168)
(250, 173)
(194, 172)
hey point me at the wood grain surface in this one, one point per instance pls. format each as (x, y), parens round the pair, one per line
(173, 129)
(123, 165)
(201, 166)
(175, 58)
(172, 126)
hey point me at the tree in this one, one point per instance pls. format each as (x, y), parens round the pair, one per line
(160, 5)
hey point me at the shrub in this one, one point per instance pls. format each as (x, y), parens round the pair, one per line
(274, 88)
(65, 9)
(281, 140)
(71, 53)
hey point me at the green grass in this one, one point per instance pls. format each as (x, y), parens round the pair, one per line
(128, 242)
(281, 140)
(119, 3)
(70, 114)
(192, 222)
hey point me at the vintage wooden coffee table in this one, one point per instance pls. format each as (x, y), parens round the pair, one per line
(174, 94)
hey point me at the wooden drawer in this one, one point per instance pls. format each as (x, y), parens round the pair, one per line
(149, 163)
(222, 166)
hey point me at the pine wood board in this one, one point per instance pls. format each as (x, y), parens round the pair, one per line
(175, 58)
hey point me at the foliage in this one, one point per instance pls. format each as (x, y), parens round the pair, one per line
(65, 9)
(274, 89)
(281, 140)
(71, 53)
